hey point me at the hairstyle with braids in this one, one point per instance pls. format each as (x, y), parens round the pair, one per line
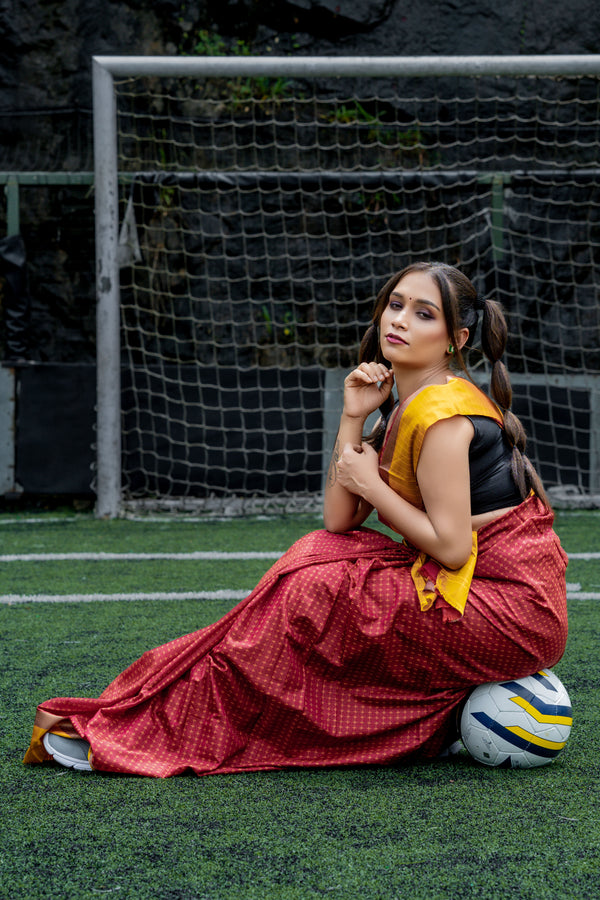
(461, 307)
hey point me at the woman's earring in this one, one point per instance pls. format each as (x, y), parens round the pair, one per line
(450, 349)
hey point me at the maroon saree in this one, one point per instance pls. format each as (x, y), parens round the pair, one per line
(330, 660)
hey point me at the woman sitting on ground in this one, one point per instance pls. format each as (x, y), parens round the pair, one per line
(354, 647)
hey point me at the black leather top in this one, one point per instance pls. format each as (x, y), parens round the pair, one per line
(492, 484)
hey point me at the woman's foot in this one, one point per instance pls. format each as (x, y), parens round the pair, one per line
(74, 753)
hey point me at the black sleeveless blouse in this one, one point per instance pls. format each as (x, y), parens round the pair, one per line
(492, 484)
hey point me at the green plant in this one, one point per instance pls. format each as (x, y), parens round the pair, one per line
(410, 140)
(239, 92)
(260, 90)
(209, 43)
(353, 113)
(376, 201)
(268, 321)
(286, 330)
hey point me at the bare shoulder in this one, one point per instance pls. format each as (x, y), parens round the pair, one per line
(445, 452)
(456, 431)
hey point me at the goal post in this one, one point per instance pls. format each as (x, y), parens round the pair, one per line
(108, 297)
(247, 210)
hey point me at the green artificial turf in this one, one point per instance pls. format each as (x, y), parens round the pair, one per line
(439, 830)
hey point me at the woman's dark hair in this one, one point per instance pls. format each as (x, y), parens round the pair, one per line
(461, 307)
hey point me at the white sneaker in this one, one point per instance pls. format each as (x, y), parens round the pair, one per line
(74, 753)
(453, 750)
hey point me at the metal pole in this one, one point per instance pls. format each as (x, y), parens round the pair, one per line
(108, 377)
(13, 223)
(594, 487)
(358, 66)
(7, 432)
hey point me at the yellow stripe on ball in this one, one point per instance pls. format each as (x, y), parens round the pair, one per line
(544, 718)
(535, 739)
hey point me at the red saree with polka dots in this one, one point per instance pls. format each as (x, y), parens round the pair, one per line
(352, 648)
(331, 660)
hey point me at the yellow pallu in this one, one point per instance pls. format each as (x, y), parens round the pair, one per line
(398, 463)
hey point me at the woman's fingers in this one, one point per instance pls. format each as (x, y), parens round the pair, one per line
(366, 387)
(371, 373)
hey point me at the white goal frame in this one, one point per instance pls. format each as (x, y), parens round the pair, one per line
(106, 68)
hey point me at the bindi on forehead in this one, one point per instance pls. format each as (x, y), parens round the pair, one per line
(411, 299)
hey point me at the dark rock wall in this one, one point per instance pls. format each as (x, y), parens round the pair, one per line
(45, 96)
(47, 47)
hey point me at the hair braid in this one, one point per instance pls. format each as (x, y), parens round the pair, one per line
(493, 342)
(370, 351)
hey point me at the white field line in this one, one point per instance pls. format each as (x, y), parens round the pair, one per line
(103, 557)
(171, 518)
(162, 520)
(585, 556)
(40, 520)
(9, 599)
(574, 591)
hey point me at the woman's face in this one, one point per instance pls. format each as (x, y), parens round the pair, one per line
(412, 328)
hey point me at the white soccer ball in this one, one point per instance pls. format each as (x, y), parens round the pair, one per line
(517, 724)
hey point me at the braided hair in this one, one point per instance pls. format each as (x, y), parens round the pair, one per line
(462, 308)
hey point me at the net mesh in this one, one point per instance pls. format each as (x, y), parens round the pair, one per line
(259, 219)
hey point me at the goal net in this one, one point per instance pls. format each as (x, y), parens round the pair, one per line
(258, 215)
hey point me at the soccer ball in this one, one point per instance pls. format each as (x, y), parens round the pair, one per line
(517, 724)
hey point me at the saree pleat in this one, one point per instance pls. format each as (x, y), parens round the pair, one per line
(330, 660)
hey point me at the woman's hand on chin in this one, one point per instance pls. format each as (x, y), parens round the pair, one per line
(366, 388)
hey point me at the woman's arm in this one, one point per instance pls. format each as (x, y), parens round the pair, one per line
(343, 509)
(443, 529)
(365, 389)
